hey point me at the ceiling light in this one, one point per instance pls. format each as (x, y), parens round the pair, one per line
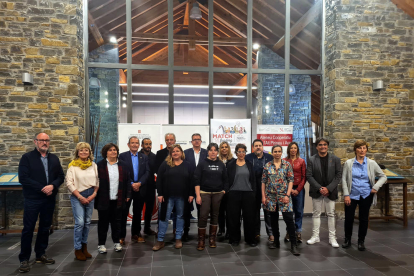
(183, 95)
(188, 86)
(124, 105)
(185, 73)
(256, 46)
(106, 92)
(267, 107)
(107, 105)
(106, 100)
(112, 39)
(195, 12)
(124, 98)
(267, 98)
(183, 102)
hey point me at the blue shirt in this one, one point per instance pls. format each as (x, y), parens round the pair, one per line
(45, 165)
(360, 180)
(135, 166)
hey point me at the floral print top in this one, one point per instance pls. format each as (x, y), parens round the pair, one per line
(276, 186)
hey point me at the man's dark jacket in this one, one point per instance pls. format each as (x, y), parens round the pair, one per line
(314, 176)
(151, 163)
(160, 157)
(189, 157)
(32, 175)
(143, 170)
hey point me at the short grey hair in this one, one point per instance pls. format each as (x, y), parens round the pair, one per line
(169, 133)
(133, 137)
(37, 134)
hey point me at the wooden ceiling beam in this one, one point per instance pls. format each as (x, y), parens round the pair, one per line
(95, 30)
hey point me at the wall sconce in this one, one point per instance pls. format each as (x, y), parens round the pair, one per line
(378, 85)
(27, 79)
(94, 83)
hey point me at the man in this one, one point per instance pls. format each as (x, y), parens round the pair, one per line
(324, 173)
(146, 146)
(258, 158)
(162, 154)
(139, 172)
(40, 174)
(193, 157)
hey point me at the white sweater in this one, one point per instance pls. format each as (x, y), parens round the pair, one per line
(81, 180)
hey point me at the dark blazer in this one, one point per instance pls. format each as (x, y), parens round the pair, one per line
(124, 189)
(231, 172)
(151, 177)
(143, 170)
(32, 175)
(160, 157)
(189, 157)
(314, 176)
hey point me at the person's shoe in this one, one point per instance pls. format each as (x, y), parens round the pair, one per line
(275, 244)
(298, 237)
(201, 239)
(44, 259)
(333, 242)
(185, 237)
(361, 246)
(235, 244)
(117, 247)
(212, 236)
(313, 240)
(287, 238)
(347, 243)
(158, 246)
(226, 237)
(257, 238)
(85, 250)
(294, 250)
(24, 266)
(122, 241)
(253, 244)
(101, 249)
(220, 232)
(141, 239)
(178, 244)
(134, 238)
(79, 255)
(271, 238)
(149, 232)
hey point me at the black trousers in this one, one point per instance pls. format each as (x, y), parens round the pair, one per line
(290, 224)
(34, 208)
(136, 219)
(149, 207)
(364, 206)
(238, 203)
(222, 219)
(110, 216)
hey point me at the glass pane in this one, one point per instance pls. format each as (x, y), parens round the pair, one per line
(305, 33)
(268, 34)
(229, 96)
(150, 31)
(190, 98)
(230, 33)
(107, 31)
(304, 114)
(270, 101)
(103, 106)
(149, 97)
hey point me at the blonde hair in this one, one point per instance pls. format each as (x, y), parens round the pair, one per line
(82, 145)
(229, 155)
(169, 159)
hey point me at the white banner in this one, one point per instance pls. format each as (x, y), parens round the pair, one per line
(183, 134)
(141, 131)
(275, 135)
(233, 131)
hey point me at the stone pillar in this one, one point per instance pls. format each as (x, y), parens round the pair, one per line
(369, 40)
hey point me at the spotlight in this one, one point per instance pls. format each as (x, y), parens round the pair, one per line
(256, 46)
(112, 39)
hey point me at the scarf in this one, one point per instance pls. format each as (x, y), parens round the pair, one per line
(81, 164)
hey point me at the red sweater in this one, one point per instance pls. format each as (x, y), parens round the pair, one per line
(299, 173)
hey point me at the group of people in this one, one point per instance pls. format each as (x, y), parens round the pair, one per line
(225, 189)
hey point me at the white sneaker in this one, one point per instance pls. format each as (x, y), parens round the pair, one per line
(333, 242)
(101, 249)
(313, 240)
(118, 247)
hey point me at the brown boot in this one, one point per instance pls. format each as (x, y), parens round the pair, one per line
(158, 246)
(85, 251)
(212, 235)
(79, 255)
(178, 244)
(201, 239)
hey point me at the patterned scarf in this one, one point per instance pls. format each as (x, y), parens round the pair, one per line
(81, 164)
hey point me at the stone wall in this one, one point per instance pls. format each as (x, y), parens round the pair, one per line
(43, 38)
(369, 40)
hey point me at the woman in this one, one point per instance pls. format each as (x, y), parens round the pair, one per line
(210, 181)
(277, 182)
(298, 191)
(225, 156)
(241, 198)
(173, 188)
(114, 191)
(359, 188)
(82, 181)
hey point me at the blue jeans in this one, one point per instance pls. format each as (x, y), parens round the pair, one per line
(82, 214)
(298, 203)
(178, 203)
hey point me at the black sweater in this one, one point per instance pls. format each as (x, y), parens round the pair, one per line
(211, 176)
(175, 181)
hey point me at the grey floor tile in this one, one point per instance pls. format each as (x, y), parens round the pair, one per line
(139, 271)
(169, 260)
(318, 262)
(130, 263)
(261, 267)
(291, 265)
(395, 270)
(110, 272)
(196, 259)
(199, 270)
(332, 272)
(170, 271)
(364, 272)
(75, 266)
(300, 273)
(347, 262)
(224, 257)
(231, 268)
(110, 264)
(9, 270)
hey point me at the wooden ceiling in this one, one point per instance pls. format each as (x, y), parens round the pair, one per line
(406, 5)
(150, 37)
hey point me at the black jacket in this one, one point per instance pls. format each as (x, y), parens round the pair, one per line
(143, 170)
(32, 174)
(151, 177)
(231, 172)
(189, 157)
(160, 157)
(211, 176)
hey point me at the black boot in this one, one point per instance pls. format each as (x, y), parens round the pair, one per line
(275, 244)
(294, 249)
(361, 246)
(220, 232)
(347, 243)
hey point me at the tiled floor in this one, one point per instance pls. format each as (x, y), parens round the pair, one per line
(390, 252)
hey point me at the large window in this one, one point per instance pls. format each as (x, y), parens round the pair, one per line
(187, 61)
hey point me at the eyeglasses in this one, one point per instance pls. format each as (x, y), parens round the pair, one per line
(43, 141)
(196, 140)
(240, 152)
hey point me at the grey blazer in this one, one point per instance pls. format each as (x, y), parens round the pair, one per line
(373, 171)
(314, 176)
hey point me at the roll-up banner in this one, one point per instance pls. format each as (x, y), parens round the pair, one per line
(233, 131)
(275, 135)
(125, 131)
(183, 134)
